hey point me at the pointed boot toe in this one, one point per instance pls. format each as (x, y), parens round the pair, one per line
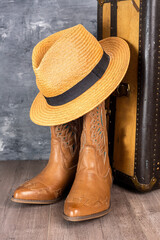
(34, 193)
(72, 209)
(23, 195)
(20, 193)
(78, 212)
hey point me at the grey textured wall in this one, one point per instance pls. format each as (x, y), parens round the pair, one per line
(23, 23)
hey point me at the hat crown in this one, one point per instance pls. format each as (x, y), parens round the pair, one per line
(63, 59)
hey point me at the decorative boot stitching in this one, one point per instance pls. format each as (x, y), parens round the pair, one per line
(88, 201)
(97, 130)
(68, 135)
(83, 135)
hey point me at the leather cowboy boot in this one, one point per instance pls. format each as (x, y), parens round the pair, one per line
(53, 182)
(89, 196)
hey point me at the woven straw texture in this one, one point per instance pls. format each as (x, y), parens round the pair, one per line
(62, 60)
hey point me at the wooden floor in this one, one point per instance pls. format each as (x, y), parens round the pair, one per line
(134, 216)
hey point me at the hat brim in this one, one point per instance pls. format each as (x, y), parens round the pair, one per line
(43, 114)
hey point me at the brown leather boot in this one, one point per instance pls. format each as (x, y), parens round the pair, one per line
(52, 183)
(89, 196)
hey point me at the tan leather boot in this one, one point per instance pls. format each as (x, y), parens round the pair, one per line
(55, 179)
(89, 196)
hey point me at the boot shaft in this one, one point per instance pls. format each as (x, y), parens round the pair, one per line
(94, 141)
(66, 139)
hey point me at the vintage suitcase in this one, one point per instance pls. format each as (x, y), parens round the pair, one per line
(134, 108)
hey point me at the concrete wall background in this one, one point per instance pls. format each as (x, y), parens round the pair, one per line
(23, 23)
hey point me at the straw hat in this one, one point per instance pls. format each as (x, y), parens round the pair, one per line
(75, 73)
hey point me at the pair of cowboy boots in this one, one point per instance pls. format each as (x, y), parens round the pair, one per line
(78, 156)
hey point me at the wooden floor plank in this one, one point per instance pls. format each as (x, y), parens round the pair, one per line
(133, 216)
(21, 222)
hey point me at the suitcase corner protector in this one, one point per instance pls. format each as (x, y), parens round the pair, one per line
(143, 187)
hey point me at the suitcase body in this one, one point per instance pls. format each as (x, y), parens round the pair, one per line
(134, 117)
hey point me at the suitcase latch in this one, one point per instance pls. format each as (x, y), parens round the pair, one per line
(108, 112)
(122, 90)
(101, 2)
